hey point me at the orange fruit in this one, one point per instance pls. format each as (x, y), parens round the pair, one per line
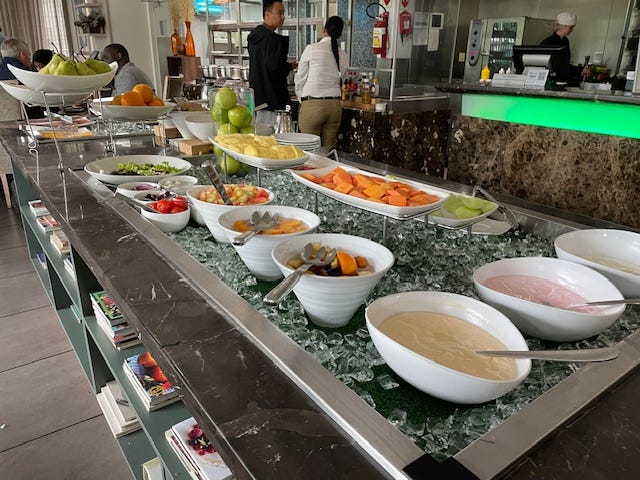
(132, 99)
(116, 100)
(155, 102)
(347, 263)
(144, 90)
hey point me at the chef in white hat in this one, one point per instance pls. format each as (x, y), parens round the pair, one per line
(564, 25)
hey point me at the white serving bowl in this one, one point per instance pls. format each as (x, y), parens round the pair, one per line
(129, 189)
(426, 374)
(104, 169)
(168, 222)
(178, 118)
(332, 301)
(178, 183)
(211, 211)
(142, 196)
(43, 82)
(621, 246)
(32, 97)
(130, 113)
(201, 125)
(547, 322)
(256, 253)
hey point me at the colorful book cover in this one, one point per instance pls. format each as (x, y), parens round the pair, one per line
(38, 208)
(60, 241)
(107, 306)
(157, 388)
(47, 223)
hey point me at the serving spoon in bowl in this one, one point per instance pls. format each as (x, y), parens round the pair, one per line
(628, 301)
(584, 355)
(257, 223)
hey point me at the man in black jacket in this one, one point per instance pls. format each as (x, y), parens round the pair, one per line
(268, 65)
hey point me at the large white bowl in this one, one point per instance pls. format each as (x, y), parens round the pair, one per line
(430, 376)
(178, 183)
(43, 82)
(168, 222)
(130, 113)
(256, 253)
(547, 322)
(332, 301)
(103, 168)
(32, 97)
(211, 211)
(591, 247)
(178, 119)
(201, 125)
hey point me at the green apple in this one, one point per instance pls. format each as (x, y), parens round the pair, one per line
(240, 116)
(232, 165)
(219, 114)
(248, 129)
(227, 128)
(226, 98)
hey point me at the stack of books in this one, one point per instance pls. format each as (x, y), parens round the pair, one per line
(111, 321)
(120, 416)
(149, 381)
(195, 452)
(37, 208)
(47, 223)
(60, 242)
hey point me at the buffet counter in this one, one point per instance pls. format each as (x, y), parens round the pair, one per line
(249, 373)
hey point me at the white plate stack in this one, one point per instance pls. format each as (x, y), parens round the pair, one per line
(305, 141)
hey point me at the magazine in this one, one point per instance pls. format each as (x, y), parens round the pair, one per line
(150, 382)
(105, 306)
(37, 208)
(47, 223)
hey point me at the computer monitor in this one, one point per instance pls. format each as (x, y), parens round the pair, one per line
(550, 56)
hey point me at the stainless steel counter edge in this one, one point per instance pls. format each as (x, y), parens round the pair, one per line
(388, 446)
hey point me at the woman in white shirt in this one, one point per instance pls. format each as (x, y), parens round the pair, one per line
(320, 70)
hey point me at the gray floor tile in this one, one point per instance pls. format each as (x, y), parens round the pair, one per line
(9, 217)
(20, 293)
(86, 451)
(12, 236)
(30, 336)
(14, 261)
(43, 397)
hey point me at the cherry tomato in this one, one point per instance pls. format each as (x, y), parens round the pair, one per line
(163, 206)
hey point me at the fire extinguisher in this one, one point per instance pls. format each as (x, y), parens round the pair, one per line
(380, 30)
(380, 35)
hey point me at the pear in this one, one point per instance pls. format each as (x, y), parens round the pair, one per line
(52, 65)
(66, 67)
(98, 66)
(84, 69)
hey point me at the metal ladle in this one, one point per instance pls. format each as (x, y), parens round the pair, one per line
(257, 223)
(320, 258)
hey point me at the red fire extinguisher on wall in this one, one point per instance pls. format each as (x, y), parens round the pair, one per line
(380, 30)
(381, 35)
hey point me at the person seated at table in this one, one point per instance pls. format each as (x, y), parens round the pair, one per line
(128, 74)
(40, 58)
(14, 52)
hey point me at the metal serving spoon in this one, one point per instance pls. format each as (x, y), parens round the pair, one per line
(257, 223)
(585, 355)
(134, 203)
(628, 301)
(321, 257)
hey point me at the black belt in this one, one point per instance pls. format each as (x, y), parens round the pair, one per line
(320, 98)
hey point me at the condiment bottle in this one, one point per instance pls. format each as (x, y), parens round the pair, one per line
(365, 92)
(485, 74)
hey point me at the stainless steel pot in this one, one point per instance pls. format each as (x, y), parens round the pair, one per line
(221, 71)
(245, 73)
(234, 72)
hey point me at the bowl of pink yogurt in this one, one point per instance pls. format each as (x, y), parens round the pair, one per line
(539, 295)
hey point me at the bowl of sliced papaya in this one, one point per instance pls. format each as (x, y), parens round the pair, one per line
(331, 294)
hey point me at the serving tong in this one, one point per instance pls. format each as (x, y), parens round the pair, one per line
(257, 223)
(320, 258)
(214, 178)
(133, 202)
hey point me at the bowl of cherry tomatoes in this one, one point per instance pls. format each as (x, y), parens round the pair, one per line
(172, 213)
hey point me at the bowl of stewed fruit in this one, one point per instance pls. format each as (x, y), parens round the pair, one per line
(330, 294)
(256, 231)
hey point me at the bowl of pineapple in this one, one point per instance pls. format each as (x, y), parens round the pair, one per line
(66, 75)
(260, 151)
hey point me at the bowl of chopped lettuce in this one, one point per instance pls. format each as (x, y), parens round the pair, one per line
(136, 168)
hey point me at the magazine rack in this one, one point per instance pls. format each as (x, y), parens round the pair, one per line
(69, 293)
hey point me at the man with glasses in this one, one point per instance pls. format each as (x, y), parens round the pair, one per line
(268, 65)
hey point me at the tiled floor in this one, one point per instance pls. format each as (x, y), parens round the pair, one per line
(50, 424)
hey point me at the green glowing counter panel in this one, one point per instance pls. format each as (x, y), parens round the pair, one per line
(620, 119)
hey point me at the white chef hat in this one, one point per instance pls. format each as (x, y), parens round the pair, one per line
(567, 18)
